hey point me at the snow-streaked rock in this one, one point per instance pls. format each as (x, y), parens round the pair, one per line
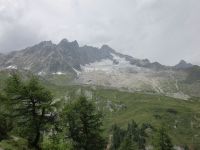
(77, 72)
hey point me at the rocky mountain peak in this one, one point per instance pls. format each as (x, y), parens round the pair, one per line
(66, 56)
(75, 44)
(106, 47)
(182, 62)
(45, 43)
(146, 61)
(183, 65)
(64, 43)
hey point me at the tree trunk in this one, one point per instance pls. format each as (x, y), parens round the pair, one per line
(36, 141)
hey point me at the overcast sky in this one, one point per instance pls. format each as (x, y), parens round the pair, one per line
(160, 30)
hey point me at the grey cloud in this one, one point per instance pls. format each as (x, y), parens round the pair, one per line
(161, 30)
(18, 38)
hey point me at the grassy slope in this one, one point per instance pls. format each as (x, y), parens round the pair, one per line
(182, 118)
(156, 110)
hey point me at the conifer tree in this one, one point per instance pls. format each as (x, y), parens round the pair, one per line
(31, 105)
(117, 137)
(134, 137)
(162, 141)
(128, 144)
(5, 120)
(84, 124)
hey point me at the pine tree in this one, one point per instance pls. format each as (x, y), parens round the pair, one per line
(5, 120)
(142, 135)
(128, 144)
(132, 130)
(84, 124)
(31, 104)
(134, 136)
(138, 134)
(162, 141)
(118, 135)
(186, 147)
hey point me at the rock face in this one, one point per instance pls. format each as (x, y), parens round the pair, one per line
(183, 65)
(1, 57)
(46, 57)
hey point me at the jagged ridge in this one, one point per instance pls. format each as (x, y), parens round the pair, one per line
(65, 56)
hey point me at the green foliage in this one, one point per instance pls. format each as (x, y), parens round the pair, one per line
(56, 142)
(162, 141)
(84, 124)
(5, 127)
(141, 135)
(31, 106)
(134, 137)
(14, 144)
(128, 144)
(186, 147)
(5, 120)
(117, 137)
(181, 117)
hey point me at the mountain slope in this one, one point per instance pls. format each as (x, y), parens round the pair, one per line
(103, 67)
(1, 58)
(66, 56)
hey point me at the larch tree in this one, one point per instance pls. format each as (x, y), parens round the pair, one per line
(31, 106)
(84, 124)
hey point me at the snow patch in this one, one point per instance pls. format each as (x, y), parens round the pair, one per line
(103, 65)
(41, 73)
(11, 67)
(58, 73)
(108, 66)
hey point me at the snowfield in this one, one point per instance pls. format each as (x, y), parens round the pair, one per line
(119, 73)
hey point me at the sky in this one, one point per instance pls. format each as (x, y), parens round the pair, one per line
(160, 30)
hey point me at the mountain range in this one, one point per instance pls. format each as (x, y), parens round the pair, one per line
(104, 67)
(66, 56)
